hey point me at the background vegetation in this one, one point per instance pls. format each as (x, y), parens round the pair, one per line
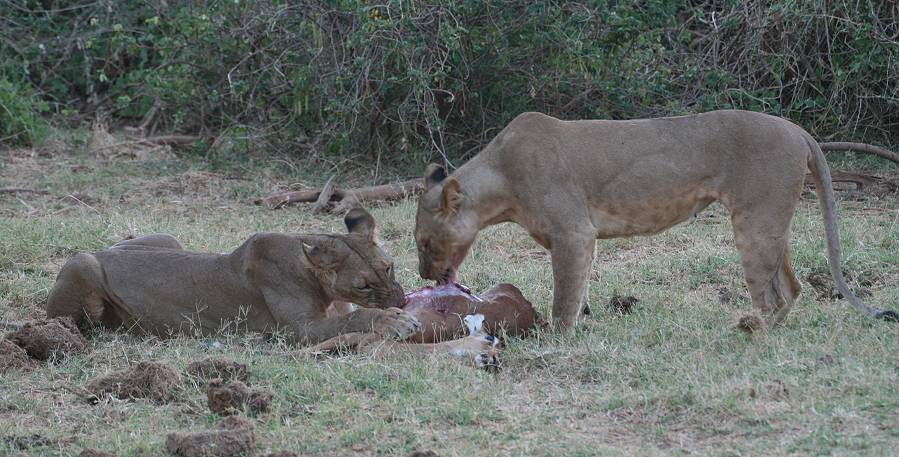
(401, 82)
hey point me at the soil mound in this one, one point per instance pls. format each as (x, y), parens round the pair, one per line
(234, 435)
(623, 305)
(217, 367)
(43, 339)
(234, 397)
(14, 358)
(152, 380)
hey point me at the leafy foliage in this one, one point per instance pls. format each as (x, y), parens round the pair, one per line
(20, 121)
(409, 81)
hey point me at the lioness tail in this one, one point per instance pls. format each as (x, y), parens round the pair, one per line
(824, 189)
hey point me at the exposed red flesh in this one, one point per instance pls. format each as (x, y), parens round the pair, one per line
(441, 310)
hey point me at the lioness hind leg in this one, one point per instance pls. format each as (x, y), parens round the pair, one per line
(77, 293)
(764, 246)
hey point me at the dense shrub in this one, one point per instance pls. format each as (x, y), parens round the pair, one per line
(401, 81)
(20, 114)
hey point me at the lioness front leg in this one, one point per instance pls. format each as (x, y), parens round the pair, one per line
(572, 258)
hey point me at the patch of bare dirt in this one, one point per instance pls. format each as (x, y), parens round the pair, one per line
(43, 339)
(217, 368)
(234, 397)
(14, 358)
(281, 454)
(750, 324)
(826, 289)
(622, 305)
(423, 454)
(95, 453)
(234, 435)
(155, 381)
(190, 185)
(728, 296)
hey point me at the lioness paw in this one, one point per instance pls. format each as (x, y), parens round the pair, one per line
(396, 324)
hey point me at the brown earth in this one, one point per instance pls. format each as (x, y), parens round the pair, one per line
(622, 305)
(281, 454)
(217, 367)
(231, 398)
(50, 338)
(14, 358)
(234, 435)
(155, 381)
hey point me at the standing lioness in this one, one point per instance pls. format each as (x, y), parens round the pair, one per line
(571, 182)
(271, 282)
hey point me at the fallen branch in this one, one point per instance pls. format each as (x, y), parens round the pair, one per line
(862, 148)
(860, 180)
(867, 183)
(334, 199)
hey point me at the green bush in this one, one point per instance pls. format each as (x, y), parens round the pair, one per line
(20, 115)
(407, 82)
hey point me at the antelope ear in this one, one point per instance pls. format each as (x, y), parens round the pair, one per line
(452, 197)
(320, 257)
(360, 221)
(434, 174)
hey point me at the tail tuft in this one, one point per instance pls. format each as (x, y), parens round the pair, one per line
(887, 315)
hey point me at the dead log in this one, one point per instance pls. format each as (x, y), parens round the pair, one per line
(861, 181)
(335, 199)
(861, 148)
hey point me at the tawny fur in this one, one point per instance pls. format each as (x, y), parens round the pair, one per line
(569, 183)
(272, 282)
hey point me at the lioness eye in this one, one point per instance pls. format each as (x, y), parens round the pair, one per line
(365, 287)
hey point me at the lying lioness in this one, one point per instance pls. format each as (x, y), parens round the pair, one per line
(271, 282)
(571, 182)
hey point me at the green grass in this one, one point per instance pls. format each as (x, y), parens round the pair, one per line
(672, 378)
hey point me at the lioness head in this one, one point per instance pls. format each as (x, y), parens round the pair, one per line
(354, 268)
(444, 227)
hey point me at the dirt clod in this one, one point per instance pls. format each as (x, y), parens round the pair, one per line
(622, 305)
(152, 380)
(217, 367)
(728, 296)
(43, 339)
(750, 324)
(233, 397)
(95, 453)
(14, 358)
(234, 435)
(823, 285)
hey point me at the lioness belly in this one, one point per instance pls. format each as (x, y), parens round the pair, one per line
(195, 294)
(646, 217)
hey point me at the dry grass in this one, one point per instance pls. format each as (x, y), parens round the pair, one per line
(672, 378)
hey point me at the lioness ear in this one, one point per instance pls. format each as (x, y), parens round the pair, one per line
(452, 197)
(319, 257)
(434, 174)
(360, 221)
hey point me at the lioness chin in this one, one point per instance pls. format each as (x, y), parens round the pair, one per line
(272, 282)
(569, 183)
